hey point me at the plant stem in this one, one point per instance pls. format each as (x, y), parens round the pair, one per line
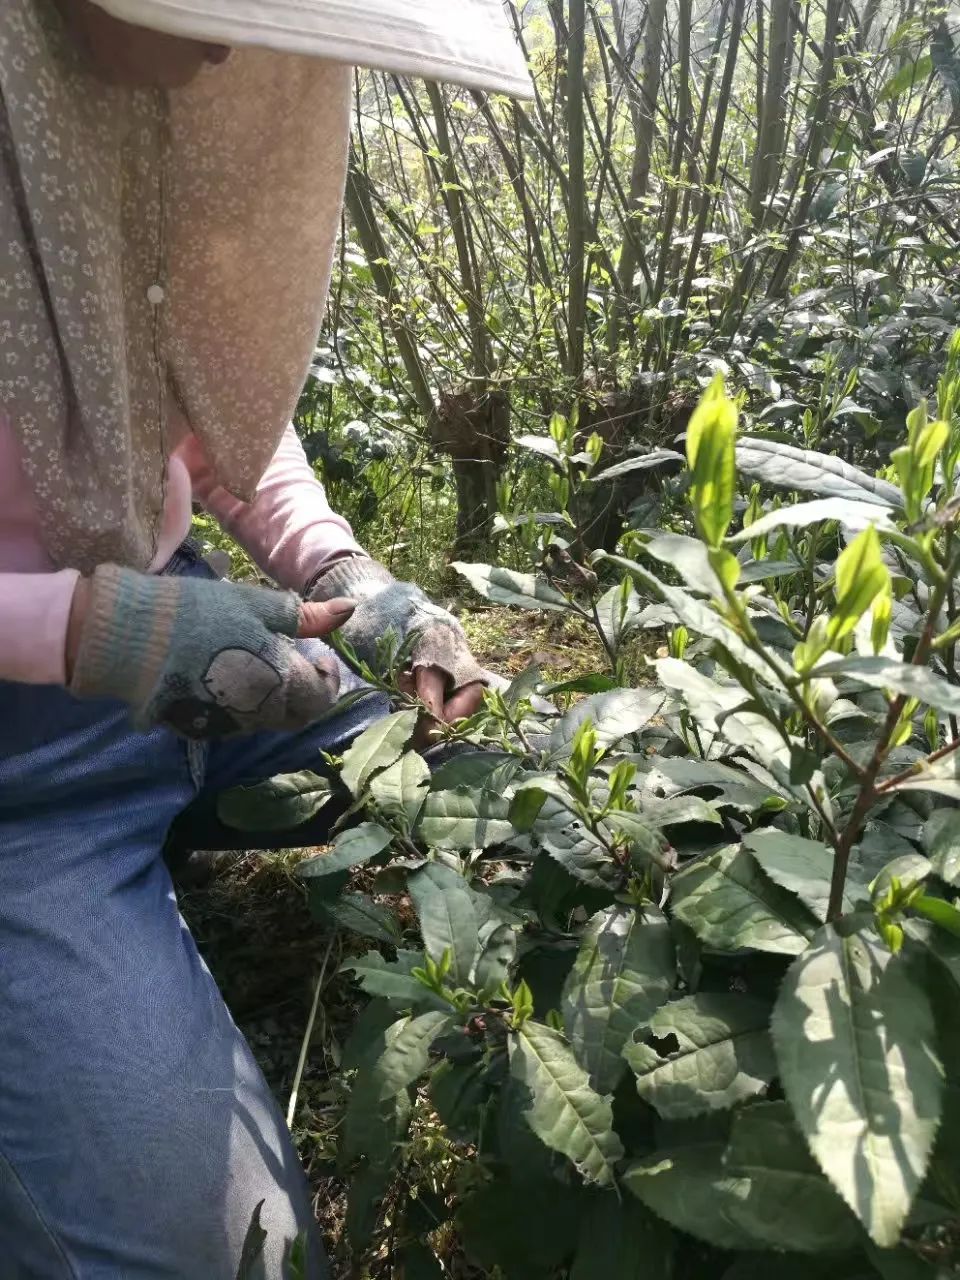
(892, 783)
(868, 791)
(305, 1046)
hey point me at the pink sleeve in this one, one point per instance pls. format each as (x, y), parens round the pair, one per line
(34, 612)
(288, 529)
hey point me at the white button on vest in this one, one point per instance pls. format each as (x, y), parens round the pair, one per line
(155, 295)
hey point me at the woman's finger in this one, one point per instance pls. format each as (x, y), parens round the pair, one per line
(465, 702)
(431, 683)
(319, 618)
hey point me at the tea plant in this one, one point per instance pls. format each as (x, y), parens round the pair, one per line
(682, 988)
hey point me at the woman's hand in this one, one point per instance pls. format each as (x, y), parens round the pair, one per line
(440, 656)
(204, 658)
(429, 684)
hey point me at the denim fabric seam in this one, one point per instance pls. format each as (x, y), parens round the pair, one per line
(55, 1244)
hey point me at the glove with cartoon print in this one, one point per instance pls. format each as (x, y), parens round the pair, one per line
(206, 659)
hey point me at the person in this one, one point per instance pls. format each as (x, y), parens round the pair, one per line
(171, 174)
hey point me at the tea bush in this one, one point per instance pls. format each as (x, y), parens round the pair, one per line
(679, 987)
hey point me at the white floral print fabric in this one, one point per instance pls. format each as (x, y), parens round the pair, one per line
(165, 261)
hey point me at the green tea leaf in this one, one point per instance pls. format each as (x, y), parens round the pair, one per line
(729, 903)
(622, 1242)
(912, 74)
(377, 748)
(352, 848)
(504, 586)
(901, 677)
(613, 715)
(465, 819)
(447, 913)
(495, 958)
(856, 1044)
(689, 1187)
(766, 1146)
(711, 435)
(390, 979)
(564, 1112)
(804, 867)
(724, 1054)
(624, 970)
(407, 1056)
(861, 575)
(358, 913)
(941, 839)
(279, 804)
(401, 787)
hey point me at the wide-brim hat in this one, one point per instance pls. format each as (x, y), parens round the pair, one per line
(468, 42)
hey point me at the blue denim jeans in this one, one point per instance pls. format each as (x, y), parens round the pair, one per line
(137, 1134)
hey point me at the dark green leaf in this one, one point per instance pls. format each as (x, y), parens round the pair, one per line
(377, 748)
(856, 1044)
(613, 716)
(736, 789)
(729, 903)
(447, 913)
(941, 840)
(622, 1241)
(563, 1111)
(358, 913)
(579, 851)
(804, 867)
(390, 979)
(280, 804)
(366, 1189)
(489, 770)
(643, 462)
(352, 848)
(901, 677)
(418, 1262)
(496, 956)
(582, 684)
(372, 1125)
(528, 1229)
(763, 1266)
(723, 1056)
(766, 1146)
(624, 970)
(465, 819)
(407, 1055)
(458, 1091)
(788, 467)
(689, 1187)
(503, 586)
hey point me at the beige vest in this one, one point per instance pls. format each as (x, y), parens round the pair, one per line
(165, 263)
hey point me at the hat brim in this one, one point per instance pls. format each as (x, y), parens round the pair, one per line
(466, 42)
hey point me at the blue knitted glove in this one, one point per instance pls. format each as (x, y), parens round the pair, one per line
(384, 603)
(206, 659)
